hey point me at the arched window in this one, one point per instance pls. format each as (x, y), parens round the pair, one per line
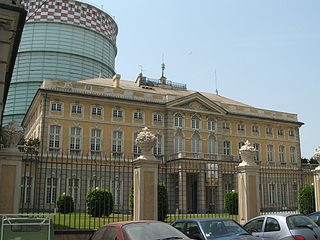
(117, 143)
(178, 120)
(54, 139)
(195, 143)
(157, 149)
(195, 122)
(211, 124)
(212, 145)
(178, 143)
(95, 142)
(75, 141)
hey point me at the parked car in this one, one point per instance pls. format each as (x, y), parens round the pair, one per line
(283, 226)
(315, 216)
(138, 230)
(212, 228)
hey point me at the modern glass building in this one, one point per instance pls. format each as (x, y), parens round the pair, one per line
(62, 39)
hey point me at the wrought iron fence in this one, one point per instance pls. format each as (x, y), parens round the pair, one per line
(45, 179)
(196, 188)
(279, 187)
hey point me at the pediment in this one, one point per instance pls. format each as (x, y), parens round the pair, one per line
(196, 102)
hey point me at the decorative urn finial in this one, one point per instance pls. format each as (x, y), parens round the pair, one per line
(247, 153)
(11, 134)
(316, 156)
(146, 141)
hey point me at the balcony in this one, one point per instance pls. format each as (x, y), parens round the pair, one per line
(201, 156)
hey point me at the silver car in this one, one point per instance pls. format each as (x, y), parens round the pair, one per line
(283, 227)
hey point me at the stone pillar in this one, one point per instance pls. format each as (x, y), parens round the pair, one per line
(146, 179)
(182, 192)
(316, 156)
(248, 184)
(10, 169)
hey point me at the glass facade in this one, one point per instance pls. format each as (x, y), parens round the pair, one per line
(60, 48)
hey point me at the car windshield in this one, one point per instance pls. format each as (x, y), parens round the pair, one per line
(151, 231)
(298, 221)
(222, 228)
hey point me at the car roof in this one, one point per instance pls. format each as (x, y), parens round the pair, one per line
(201, 219)
(130, 222)
(277, 215)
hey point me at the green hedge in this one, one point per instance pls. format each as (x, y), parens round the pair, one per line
(231, 202)
(306, 200)
(65, 204)
(99, 202)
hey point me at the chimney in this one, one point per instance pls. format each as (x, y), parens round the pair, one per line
(116, 80)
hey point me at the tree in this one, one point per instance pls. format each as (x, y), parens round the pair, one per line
(99, 202)
(306, 200)
(313, 161)
(231, 202)
(65, 203)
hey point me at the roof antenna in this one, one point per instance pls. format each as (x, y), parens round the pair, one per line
(215, 78)
(163, 66)
(141, 70)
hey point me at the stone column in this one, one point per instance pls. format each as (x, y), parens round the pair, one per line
(10, 169)
(316, 156)
(248, 184)
(182, 191)
(146, 179)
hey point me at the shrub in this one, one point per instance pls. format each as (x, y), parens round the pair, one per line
(231, 202)
(131, 200)
(65, 203)
(99, 202)
(306, 200)
(162, 201)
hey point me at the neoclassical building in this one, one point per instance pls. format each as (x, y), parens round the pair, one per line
(102, 117)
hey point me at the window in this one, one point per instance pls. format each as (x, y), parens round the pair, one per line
(76, 109)
(26, 187)
(117, 147)
(284, 195)
(195, 122)
(195, 143)
(117, 113)
(291, 132)
(138, 115)
(282, 157)
(157, 149)
(293, 157)
(212, 145)
(226, 125)
(258, 150)
(268, 130)
(240, 127)
(117, 190)
(255, 225)
(272, 225)
(240, 144)
(226, 148)
(94, 183)
(255, 129)
(54, 139)
(75, 140)
(270, 154)
(272, 193)
(51, 190)
(280, 132)
(56, 107)
(96, 111)
(178, 143)
(136, 149)
(178, 120)
(95, 142)
(73, 188)
(157, 117)
(211, 124)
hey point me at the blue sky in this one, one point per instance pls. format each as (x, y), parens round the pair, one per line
(266, 53)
